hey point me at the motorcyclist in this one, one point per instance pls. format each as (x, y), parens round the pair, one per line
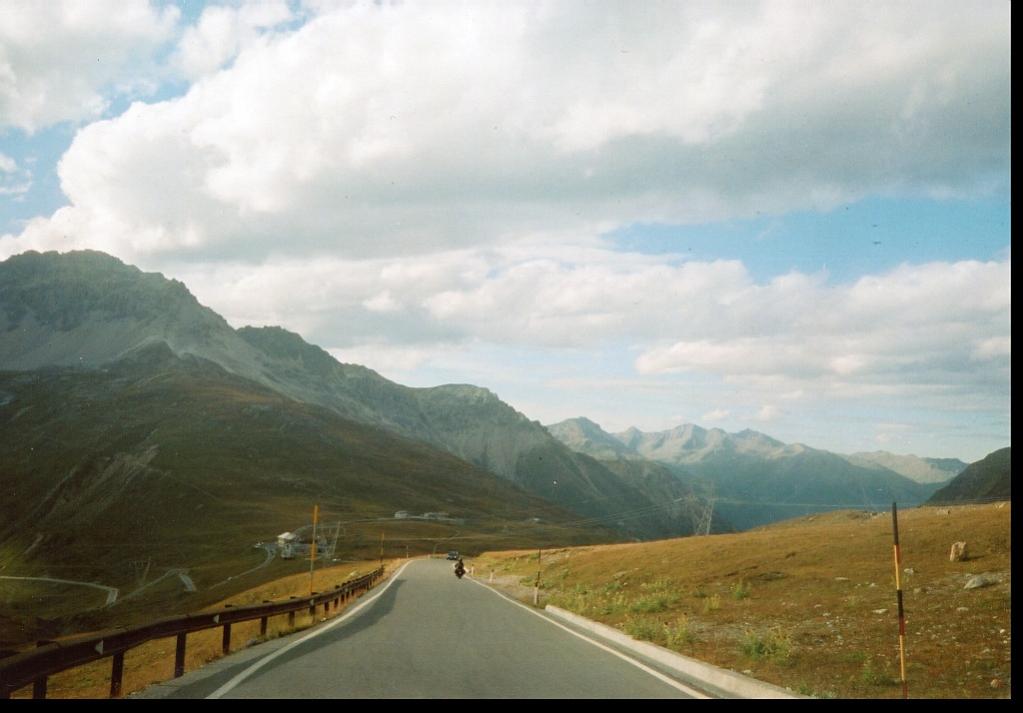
(459, 568)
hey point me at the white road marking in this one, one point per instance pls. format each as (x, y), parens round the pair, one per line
(230, 685)
(643, 667)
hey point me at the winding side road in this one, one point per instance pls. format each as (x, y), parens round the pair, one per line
(111, 591)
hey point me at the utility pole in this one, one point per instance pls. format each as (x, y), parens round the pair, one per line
(312, 553)
(381, 548)
(333, 551)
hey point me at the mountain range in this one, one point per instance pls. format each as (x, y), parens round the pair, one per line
(87, 310)
(755, 479)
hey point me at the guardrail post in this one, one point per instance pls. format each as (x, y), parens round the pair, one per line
(179, 656)
(116, 674)
(39, 688)
(39, 685)
(226, 639)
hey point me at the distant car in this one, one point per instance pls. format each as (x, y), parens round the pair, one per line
(453, 555)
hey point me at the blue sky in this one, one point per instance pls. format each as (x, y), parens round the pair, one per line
(849, 241)
(773, 216)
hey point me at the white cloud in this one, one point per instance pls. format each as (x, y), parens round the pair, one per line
(7, 164)
(719, 414)
(222, 32)
(931, 333)
(61, 59)
(418, 127)
(768, 412)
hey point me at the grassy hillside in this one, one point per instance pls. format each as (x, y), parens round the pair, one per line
(987, 479)
(159, 463)
(808, 603)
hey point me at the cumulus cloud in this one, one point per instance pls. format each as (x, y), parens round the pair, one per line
(377, 129)
(931, 331)
(222, 32)
(60, 60)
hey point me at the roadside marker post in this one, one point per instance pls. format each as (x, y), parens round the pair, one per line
(898, 596)
(536, 587)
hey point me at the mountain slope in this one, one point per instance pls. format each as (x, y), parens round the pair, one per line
(920, 470)
(173, 461)
(87, 308)
(988, 479)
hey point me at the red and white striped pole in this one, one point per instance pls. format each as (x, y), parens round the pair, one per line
(898, 594)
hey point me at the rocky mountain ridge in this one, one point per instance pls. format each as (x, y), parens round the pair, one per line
(87, 309)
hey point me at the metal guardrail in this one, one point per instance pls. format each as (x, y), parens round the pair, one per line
(36, 666)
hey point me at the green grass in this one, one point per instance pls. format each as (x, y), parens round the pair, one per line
(874, 674)
(774, 645)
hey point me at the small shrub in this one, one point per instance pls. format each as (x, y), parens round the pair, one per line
(613, 605)
(774, 645)
(677, 634)
(711, 603)
(652, 604)
(642, 628)
(740, 590)
(612, 587)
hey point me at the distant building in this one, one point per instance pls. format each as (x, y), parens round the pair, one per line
(290, 545)
(286, 545)
(401, 515)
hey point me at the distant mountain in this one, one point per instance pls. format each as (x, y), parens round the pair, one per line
(920, 470)
(683, 491)
(753, 478)
(585, 436)
(690, 444)
(986, 480)
(86, 309)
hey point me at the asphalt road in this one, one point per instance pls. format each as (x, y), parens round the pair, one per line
(430, 635)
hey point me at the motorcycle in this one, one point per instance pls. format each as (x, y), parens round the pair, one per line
(459, 569)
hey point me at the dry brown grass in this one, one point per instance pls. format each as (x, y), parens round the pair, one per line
(153, 662)
(808, 604)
